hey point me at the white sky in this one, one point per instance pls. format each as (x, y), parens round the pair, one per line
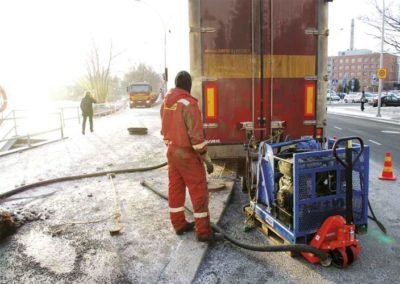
(44, 43)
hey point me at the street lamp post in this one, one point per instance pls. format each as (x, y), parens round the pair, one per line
(165, 77)
(381, 59)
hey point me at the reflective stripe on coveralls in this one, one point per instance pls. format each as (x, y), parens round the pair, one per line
(200, 215)
(176, 210)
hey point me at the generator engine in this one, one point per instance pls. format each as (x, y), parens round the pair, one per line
(284, 195)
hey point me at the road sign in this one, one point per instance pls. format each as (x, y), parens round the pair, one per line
(381, 73)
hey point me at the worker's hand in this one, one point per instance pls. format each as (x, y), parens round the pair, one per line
(207, 160)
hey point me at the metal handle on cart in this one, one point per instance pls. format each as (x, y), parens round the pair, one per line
(336, 145)
(348, 165)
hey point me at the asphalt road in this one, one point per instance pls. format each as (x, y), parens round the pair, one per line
(381, 137)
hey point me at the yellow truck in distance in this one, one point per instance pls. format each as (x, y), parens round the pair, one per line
(141, 94)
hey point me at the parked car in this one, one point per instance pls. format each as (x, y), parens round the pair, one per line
(341, 95)
(370, 97)
(332, 97)
(388, 100)
(352, 98)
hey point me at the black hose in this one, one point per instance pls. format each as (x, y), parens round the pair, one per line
(373, 218)
(68, 178)
(268, 248)
(274, 248)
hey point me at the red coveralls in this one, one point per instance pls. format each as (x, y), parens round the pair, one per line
(182, 129)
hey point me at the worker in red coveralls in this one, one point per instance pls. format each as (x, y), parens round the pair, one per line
(182, 129)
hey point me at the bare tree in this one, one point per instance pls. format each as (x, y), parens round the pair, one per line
(392, 25)
(143, 73)
(98, 74)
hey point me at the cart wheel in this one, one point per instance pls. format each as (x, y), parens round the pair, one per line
(327, 262)
(339, 257)
(350, 255)
(352, 252)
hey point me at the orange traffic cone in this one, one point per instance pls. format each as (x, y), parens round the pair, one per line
(387, 173)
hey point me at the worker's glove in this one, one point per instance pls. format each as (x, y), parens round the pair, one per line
(207, 160)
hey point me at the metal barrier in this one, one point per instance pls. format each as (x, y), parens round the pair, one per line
(19, 124)
(16, 127)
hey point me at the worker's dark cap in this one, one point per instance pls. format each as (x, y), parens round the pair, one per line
(183, 80)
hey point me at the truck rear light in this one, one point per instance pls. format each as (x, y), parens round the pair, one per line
(211, 101)
(319, 132)
(309, 100)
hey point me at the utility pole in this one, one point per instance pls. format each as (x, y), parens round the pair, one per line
(381, 59)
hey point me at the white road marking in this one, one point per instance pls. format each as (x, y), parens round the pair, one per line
(377, 143)
(337, 127)
(390, 132)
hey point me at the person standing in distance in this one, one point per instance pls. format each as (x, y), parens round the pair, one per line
(87, 111)
(182, 129)
(363, 100)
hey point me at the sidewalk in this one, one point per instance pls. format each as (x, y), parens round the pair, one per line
(388, 114)
(65, 236)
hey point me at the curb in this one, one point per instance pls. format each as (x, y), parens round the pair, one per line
(383, 120)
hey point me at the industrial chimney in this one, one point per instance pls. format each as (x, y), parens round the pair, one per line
(352, 35)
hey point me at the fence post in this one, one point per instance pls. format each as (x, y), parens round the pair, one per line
(62, 117)
(61, 125)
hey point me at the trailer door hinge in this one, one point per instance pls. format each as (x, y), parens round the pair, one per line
(210, 125)
(203, 29)
(314, 31)
(311, 31)
(311, 78)
(310, 122)
(208, 79)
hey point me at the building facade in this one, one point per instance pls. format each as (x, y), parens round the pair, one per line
(362, 65)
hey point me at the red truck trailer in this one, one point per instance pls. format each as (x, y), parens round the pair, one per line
(259, 70)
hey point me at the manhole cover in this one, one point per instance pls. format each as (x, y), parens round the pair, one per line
(137, 130)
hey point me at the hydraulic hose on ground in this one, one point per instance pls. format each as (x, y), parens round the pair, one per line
(274, 248)
(373, 218)
(69, 178)
(325, 260)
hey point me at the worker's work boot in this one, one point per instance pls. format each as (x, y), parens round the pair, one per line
(187, 228)
(212, 238)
